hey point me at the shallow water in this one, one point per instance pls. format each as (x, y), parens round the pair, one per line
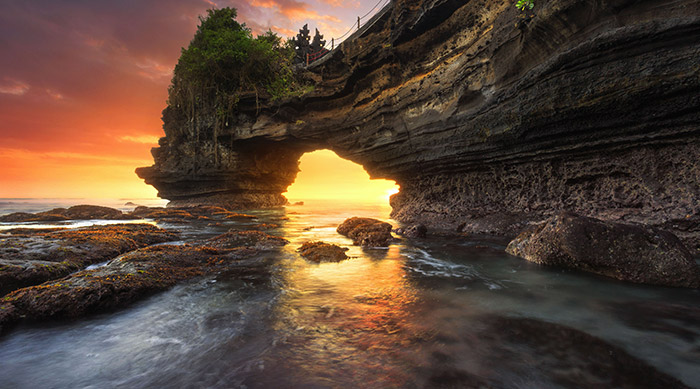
(416, 314)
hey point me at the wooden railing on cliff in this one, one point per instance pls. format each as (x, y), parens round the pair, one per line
(363, 24)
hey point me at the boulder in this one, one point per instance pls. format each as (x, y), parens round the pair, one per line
(366, 232)
(322, 252)
(626, 252)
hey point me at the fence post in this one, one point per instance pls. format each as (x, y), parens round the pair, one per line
(307, 59)
(358, 22)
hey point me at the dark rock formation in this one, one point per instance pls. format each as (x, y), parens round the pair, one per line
(134, 276)
(568, 357)
(366, 232)
(675, 319)
(414, 231)
(254, 239)
(476, 112)
(322, 252)
(626, 252)
(78, 212)
(183, 215)
(30, 257)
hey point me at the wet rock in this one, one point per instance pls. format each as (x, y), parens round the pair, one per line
(255, 239)
(496, 224)
(133, 276)
(566, 356)
(30, 257)
(8, 315)
(265, 226)
(366, 231)
(687, 229)
(322, 252)
(413, 232)
(180, 215)
(679, 320)
(78, 212)
(626, 252)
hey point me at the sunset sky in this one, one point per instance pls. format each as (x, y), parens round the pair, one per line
(83, 84)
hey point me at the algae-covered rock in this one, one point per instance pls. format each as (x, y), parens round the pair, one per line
(77, 212)
(366, 232)
(30, 257)
(322, 252)
(185, 214)
(135, 275)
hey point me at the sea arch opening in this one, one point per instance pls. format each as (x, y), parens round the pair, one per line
(323, 175)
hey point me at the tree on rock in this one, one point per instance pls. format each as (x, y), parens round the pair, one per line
(224, 60)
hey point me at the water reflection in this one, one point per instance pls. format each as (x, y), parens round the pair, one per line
(355, 315)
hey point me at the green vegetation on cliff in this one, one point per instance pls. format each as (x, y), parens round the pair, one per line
(224, 61)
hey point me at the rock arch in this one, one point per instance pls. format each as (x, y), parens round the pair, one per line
(475, 112)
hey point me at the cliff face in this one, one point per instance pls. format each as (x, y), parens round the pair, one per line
(484, 117)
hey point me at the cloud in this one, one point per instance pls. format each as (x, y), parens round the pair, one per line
(56, 95)
(85, 82)
(11, 86)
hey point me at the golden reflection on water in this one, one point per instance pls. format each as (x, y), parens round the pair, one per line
(358, 312)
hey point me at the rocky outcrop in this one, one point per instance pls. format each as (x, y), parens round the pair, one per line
(322, 252)
(626, 252)
(77, 212)
(187, 214)
(477, 112)
(135, 275)
(32, 256)
(366, 232)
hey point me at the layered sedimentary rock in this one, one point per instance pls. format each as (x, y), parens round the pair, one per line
(480, 113)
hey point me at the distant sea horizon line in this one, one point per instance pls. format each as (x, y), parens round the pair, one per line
(81, 198)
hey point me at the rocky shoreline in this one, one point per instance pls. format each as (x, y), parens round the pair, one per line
(44, 273)
(56, 258)
(142, 259)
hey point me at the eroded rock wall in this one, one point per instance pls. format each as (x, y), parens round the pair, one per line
(476, 111)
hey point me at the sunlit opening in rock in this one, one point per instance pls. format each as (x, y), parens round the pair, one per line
(326, 176)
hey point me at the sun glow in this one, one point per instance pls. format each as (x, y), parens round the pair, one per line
(326, 176)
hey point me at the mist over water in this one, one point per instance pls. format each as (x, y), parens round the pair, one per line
(427, 312)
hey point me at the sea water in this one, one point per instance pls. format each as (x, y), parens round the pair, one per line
(414, 314)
